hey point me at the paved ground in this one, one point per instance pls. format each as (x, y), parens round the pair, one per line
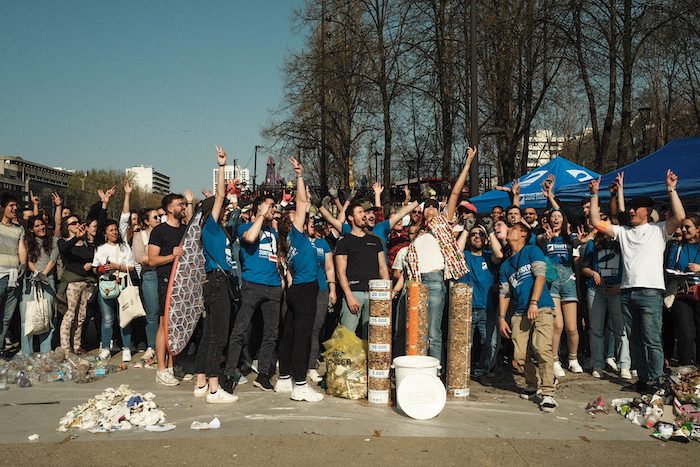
(493, 427)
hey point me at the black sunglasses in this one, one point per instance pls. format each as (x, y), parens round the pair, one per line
(477, 234)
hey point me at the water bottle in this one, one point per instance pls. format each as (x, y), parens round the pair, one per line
(23, 380)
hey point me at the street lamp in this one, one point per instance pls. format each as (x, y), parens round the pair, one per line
(255, 166)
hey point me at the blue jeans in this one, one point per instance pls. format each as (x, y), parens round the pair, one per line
(641, 311)
(600, 305)
(45, 338)
(485, 321)
(9, 296)
(435, 281)
(351, 320)
(110, 308)
(149, 289)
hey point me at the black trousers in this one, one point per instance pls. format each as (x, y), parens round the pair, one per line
(218, 305)
(295, 344)
(686, 323)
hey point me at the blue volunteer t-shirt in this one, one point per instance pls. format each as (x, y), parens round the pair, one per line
(605, 262)
(301, 258)
(516, 271)
(481, 276)
(322, 248)
(217, 248)
(260, 258)
(559, 252)
(680, 260)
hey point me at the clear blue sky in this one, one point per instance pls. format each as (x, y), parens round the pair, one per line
(112, 84)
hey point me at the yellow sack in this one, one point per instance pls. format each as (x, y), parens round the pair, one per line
(346, 364)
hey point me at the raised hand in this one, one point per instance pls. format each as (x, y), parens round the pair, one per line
(671, 180)
(620, 179)
(593, 186)
(471, 152)
(353, 193)
(56, 199)
(516, 189)
(35, 199)
(189, 196)
(287, 197)
(296, 165)
(333, 191)
(206, 193)
(220, 155)
(128, 188)
(378, 188)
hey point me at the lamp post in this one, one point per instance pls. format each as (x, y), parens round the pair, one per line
(255, 167)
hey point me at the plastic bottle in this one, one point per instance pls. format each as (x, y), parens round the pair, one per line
(653, 417)
(23, 380)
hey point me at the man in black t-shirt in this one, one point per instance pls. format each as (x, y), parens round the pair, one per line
(163, 247)
(359, 258)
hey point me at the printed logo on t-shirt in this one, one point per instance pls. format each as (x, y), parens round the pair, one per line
(517, 277)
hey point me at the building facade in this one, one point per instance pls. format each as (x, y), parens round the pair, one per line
(230, 172)
(150, 179)
(19, 177)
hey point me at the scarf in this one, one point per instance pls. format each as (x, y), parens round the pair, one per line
(455, 264)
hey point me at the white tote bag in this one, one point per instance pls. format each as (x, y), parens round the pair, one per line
(37, 317)
(130, 305)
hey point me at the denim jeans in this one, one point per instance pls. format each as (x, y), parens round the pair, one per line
(110, 309)
(641, 311)
(45, 338)
(218, 305)
(149, 290)
(319, 320)
(351, 320)
(484, 320)
(600, 305)
(435, 281)
(267, 299)
(9, 296)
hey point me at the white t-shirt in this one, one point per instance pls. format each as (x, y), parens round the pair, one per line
(400, 259)
(429, 253)
(642, 250)
(107, 252)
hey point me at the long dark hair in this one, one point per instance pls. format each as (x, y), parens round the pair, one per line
(102, 239)
(565, 234)
(36, 244)
(64, 225)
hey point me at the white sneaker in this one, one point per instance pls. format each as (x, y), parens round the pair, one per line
(105, 354)
(625, 373)
(306, 393)
(548, 404)
(574, 366)
(284, 385)
(126, 354)
(166, 377)
(221, 397)
(597, 372)
(201, 392)
(148, 354)
(634, 373)
(558, 370)
(611, 363)
(313, 376)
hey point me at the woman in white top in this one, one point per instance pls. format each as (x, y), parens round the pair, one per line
(113, 258)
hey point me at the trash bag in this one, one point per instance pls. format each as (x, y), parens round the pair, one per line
(346, 364)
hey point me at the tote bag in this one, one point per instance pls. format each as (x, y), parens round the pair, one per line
(130, 305)
(37, 318)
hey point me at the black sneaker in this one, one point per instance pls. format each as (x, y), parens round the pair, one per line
(530, 393)
(482, 379)
(642, 387)
(228, 383)
(263, 382)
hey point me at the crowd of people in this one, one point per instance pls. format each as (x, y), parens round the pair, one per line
(554, 290)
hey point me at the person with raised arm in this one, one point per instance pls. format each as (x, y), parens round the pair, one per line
(642, 247)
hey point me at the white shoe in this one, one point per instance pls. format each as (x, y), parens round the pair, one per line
(558, 370)
(284, 385)
(611, 363)
(148, 354)
(574, 366)
(221, 397)
(597, 372)
(634, 373)
(105, 354)
(166, 377)
(548, 404)
(126, 354)
(313, 376)
(201, 392)
(625, 373)
(306, 393)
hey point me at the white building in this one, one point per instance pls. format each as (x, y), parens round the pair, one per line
(150, 179)
(230, 172)
(543, 148)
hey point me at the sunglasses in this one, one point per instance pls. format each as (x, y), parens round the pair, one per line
(416, 212)
(73, 223)
(686, 227)
(477, 234)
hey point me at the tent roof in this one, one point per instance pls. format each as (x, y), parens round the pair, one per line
(565, 171)
(647, 176)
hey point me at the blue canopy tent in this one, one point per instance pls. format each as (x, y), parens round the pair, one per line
(647, 177)
(565, 171)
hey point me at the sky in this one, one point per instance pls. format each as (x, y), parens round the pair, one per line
(113, 84)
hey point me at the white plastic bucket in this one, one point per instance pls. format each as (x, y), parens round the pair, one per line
(419, 392)
(410, 364)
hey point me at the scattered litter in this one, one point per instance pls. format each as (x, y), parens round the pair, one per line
(160, 428)
(110, 411)
(213, 425)
(67, 438)
(585, 439)
(561, 418)
(377, 433)
(597, 407)
(33, 437)
(54, 366)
